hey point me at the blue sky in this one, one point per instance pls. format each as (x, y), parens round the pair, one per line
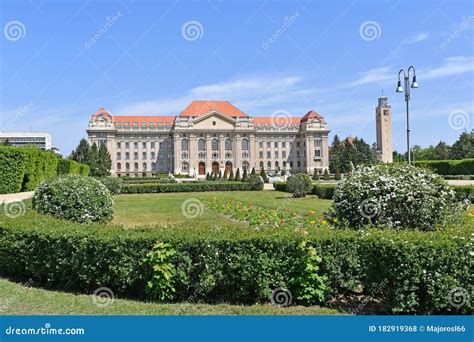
(153, 58)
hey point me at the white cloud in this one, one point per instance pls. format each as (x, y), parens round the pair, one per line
(450, 66)
(371, 76)
(417, 38)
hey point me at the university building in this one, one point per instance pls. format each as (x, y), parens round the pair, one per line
(211, 136)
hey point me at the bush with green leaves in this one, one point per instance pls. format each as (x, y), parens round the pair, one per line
(160, 286)
(255, 182)
(299, 185)
(75, 198)
(397, 196)
(113, 184)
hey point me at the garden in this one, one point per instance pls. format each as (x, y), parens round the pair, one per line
(386, 239)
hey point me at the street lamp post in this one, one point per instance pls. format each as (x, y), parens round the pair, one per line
(414, 85)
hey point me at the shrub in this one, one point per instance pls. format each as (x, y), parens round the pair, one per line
(324, 191)
(264, 176)
(299, 185)
(231, 176)
(76, 198)
(465, 192)
(448, 167)
(245, 176)
(326, 175)
(407, 271)
(398, 196)
(237, 175)
(255, 182)
(185, 187)
(12, 169)
(113, 184)
(316, 175)
(69, 166)
(160, 286)
(337, 176)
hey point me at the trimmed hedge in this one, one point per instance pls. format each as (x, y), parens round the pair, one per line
(411, 272)
(448, 167)
(69, 166)
(23, 169)
(184, 187)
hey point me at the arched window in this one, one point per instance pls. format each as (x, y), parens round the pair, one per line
(135, 145)
(144, 166)
(228, 144)
(261, 165)
(185, 166)
(119, 166)
(215, 145)
(184, 145)
(245, 144)
(118, 144)
(277, 165)
(127, 145)
(135, 166)
(201, 145)
(127, 166)
(269, 164)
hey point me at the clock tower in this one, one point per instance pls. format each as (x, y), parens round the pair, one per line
(383, 116)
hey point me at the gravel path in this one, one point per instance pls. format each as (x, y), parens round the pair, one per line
(19, 196)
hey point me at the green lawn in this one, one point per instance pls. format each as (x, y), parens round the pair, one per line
(16, 299)
(152, 209)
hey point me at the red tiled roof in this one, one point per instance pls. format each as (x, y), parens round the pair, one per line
(312, 115)
(276, 120)
(146, 119)
(198, 108)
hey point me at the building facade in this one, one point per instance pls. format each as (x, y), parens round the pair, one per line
(211, 136)
(22, 139)
(383, 120)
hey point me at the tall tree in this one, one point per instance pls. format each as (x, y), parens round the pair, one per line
(463, 147)
(94, 160)
(82, 153)
(335, 154)
(104, 162)
(6, 142)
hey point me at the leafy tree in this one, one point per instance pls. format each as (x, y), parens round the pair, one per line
(237, 176)
(463, 147)
(244, 176)
(104, 161)
(82, 153)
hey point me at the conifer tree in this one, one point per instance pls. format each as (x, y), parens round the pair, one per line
(231, 176)
(237, 176)
(244, 176)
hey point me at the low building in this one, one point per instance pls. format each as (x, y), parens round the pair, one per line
(22, 139)
(211, 136)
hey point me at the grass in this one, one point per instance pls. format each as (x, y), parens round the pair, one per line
(17, 299)
(153, 209)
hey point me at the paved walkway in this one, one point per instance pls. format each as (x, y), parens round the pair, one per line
(460, 182)
(19, 196)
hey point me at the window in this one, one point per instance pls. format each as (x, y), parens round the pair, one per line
(135, 145)
(228, 144)
(317, 142)
(283, 144)
(127, 155)
(184, 145)
(144, 166)
(275, 144)
(269, 165)
(127, 166)
(268, 144)
(215, 155)
(152, 145)
(245, 145)
(143, 155)
(269, 154)
(228, 155)
(168, 143)
(291, 164)
(161, 166)
(261, 165)
(245, 154)
(135, 166)
(317, 153)
(297, 144)
(160, 155)
(299, 163)
(185, 166)
(215, 144)
(184, 155)
(276, 154)
(283, 154)
(260, 154)
(201, 155)
(160, 145)
(284, 164)
(135, 155)
(118, 145)
(201, 145)
(153, 155)
(277, 165)
(144, 145)
(127, 145)
(169, 155)
(119, 155)
(169, 166)
(260, 144)
(119, 166)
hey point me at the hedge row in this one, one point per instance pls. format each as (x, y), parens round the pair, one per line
(67, 166)
(184, 187)
(412, 272)
(449, 167)
(23, 169)
(326, 191)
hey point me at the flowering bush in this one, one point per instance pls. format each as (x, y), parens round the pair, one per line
(76, 198)
(255, 182)
(299, 185)
(398, 196)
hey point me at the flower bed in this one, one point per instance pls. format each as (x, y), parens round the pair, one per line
(185, 187)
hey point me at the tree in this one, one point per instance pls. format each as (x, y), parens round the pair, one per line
(237, 176)
(253, 171)
(335, 153)
(231, 176)
(6, 142)
(104, 163)
(264, 176)
(94, 161)
(208, 176)
(226, 176)
(463, 147)
(244, 176)
(82, 153)
(441, 151)
(315, 175)
(326, 175)
(214, 177)
(220, 175)
(338, 175)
